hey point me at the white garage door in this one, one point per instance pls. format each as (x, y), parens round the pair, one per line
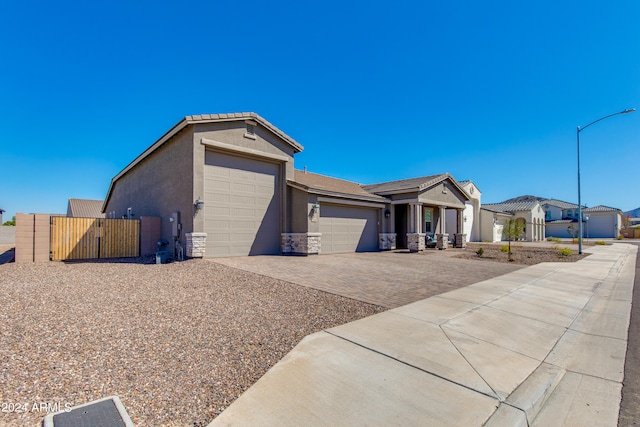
(242, 206)
(348, 229)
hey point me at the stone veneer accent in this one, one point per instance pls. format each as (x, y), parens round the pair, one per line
(196, 244)
(416, 241)
(460, 240)
(301, 243)
(442, 241)
(386, 241)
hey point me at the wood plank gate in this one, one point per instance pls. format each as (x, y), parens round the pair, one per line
(90, 238)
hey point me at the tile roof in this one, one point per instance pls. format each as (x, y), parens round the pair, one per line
(406, 184)
(510, 207)
(333, 186)
(204, 118)
(600, 208)
(84, 208)
(201, 118)
(561, 221)
(559, 204)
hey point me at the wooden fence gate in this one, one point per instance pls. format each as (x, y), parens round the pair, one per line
(90, 238)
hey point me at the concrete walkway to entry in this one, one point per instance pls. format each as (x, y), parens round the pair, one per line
(540, 346)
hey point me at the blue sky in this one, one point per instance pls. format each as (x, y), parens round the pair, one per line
(374, 91)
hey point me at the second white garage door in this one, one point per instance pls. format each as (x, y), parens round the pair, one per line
(242, 206)
(348, 229)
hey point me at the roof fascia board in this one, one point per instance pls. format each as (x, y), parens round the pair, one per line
(350, 202)
(404, 201)
(333, 193)
(242, 150)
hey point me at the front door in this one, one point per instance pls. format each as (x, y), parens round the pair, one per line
(401, 226)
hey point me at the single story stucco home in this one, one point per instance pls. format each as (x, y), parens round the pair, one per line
(226, 185)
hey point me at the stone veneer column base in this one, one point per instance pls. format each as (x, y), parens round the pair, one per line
(461, 240)
(416, 242)
(386, 241)
(196, 244)
(301, 243)
(442, 241)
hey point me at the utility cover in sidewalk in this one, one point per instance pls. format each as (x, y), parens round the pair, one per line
(107, 412)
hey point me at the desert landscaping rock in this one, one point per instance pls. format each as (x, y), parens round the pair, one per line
(177, 343)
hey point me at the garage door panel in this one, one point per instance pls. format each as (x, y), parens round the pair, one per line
(348, 229)
(242, 206)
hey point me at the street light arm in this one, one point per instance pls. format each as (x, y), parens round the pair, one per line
(627, 111)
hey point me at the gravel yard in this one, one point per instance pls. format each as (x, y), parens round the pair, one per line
(178, 342)
(522, 253)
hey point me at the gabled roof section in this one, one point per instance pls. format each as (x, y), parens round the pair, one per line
(325, 185)
(525, 198)
(196, 119)
(600, 208)
(559, 204)
(412, 184)
(85, 208)
(511, 207)
(209, 118)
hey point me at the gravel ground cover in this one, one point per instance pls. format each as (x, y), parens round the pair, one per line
(178, 342)
(526, 254)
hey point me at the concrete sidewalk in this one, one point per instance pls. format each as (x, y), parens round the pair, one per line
(541, 346)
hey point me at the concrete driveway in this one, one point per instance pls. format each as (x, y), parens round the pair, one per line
(388, 279)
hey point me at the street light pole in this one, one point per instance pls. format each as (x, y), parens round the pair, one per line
(579, 129)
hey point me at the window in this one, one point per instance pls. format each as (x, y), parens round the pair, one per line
(547, 215)
(570, 213)
(427, 220)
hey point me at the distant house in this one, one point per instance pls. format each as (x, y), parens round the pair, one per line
(598, 222)
(84, 208)
(1, 212)
(529, 213)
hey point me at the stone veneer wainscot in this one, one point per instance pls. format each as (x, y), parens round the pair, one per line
(196, 244)
(301, 243)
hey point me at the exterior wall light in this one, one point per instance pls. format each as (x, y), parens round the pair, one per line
(199, 204)
(387, 213)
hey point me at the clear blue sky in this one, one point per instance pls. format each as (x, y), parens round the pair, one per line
(374, 91)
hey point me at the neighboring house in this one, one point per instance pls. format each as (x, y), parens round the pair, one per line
(561, 218)
(529, 213)
(85, 208)
(602, 222)
(471, 215)
(229, 182)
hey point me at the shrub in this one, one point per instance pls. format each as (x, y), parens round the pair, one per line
(565, 252)
(504, 248)
(600, 242)
(480, 252)
(554, 239)
(620, 237)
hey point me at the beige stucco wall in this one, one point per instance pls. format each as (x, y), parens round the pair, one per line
(160, 184)
(235, 133)
(300, 203)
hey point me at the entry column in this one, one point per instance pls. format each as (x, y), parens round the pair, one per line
(415, 236)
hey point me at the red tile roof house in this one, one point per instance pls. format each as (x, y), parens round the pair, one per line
(229, 181)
